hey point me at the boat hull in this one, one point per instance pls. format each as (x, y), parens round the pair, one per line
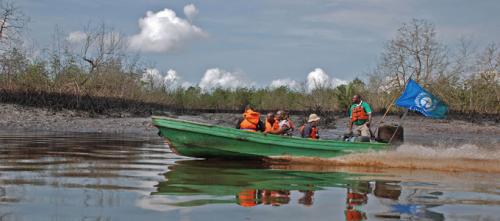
(209, 141)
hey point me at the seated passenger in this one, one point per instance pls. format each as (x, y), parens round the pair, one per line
(271, 122)
(290, 123)
(310, 129)
(250, 121)
(284, 127)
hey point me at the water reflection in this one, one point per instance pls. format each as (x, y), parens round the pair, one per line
(251, 183)
(255, 185)
(389, 194)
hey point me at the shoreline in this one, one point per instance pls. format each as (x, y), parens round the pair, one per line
(418, 130)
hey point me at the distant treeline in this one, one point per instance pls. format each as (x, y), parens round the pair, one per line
(101, 75)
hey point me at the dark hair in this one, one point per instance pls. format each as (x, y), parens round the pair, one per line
(248, 106)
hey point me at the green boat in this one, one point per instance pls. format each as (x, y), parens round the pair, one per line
(210, 141)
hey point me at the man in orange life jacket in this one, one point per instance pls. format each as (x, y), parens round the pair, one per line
(271, 122)
(360, 114)
(310, 129)
(250, 121)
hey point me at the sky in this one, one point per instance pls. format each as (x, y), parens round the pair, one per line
(232, 43)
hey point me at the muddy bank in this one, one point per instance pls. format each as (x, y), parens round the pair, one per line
(418, 129)
(16, 117)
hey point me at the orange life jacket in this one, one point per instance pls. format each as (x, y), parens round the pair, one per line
(250, 120)
(247, 198)
(314, 132)
(274, 126)
(356, 199)
(358, 113)
(353, 215)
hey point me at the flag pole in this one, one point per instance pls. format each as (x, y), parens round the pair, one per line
(399, 125)
(390, 106)
(385, 114)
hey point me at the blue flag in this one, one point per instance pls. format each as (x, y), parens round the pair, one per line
(418, 99)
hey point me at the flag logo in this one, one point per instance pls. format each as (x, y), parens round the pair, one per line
(424, 101)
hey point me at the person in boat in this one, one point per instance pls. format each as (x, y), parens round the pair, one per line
(271, 122)
(284, 126)
(250, 121)
(360, 115)
(290, 122)
(310, 129)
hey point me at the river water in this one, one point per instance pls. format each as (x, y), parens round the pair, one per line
(82, 176)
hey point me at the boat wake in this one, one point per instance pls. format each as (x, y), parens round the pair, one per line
(467, 157)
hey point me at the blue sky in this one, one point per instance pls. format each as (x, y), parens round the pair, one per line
(261, 41)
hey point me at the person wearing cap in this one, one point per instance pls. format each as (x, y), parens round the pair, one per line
(310, 130)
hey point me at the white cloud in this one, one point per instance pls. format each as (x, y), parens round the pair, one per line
(163, 31)
(171, 79)
(190, 11)
(287, 82)
(76, 37)
(186, 84)
(318, 78)
(337, 82)
(218, 78)
(154, 79)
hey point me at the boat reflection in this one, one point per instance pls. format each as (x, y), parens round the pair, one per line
(251, 183)
(198, 183)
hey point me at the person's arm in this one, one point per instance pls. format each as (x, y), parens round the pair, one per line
(292, 125)
(278, 131)
(368, 111)
(349, 125)
(239, 123)
(369, 122)
(307, 132)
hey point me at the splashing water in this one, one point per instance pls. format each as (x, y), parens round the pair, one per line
(467, 157)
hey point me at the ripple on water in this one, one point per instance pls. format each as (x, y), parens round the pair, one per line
(81, 161)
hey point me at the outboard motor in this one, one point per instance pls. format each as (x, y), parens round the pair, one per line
(386, 132)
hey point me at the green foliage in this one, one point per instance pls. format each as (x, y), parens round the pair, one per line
(34, 78)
